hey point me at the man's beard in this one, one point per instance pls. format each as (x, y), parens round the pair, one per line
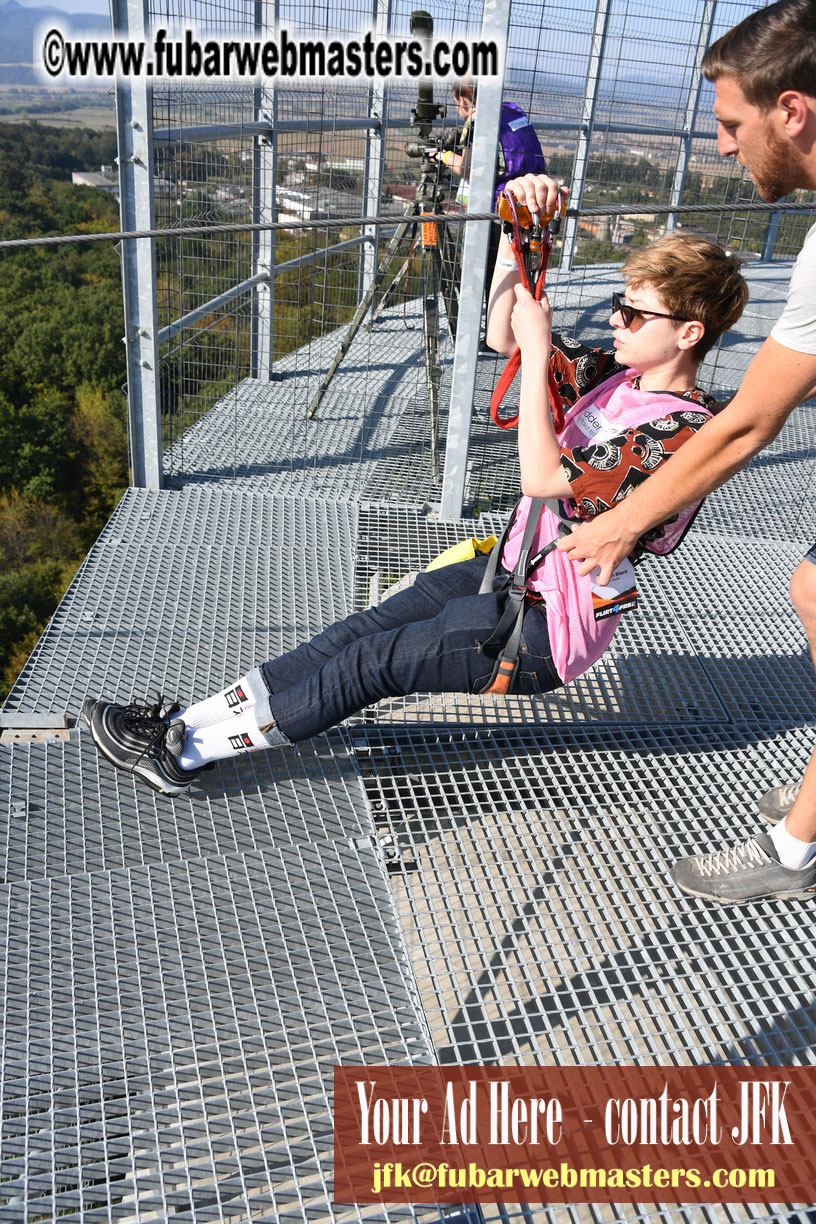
(778, 171)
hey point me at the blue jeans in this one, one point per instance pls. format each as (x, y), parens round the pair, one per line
(422, 640)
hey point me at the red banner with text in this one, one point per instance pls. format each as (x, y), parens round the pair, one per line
(575, 1134)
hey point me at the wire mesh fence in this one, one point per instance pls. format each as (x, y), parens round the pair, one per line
(252, 324)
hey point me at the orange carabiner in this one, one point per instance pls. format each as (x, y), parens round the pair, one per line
(519, 214)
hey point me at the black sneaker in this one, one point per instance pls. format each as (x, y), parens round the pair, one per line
(143, 739)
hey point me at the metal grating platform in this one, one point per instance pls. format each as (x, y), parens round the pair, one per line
(258, 435)
(182, 975)
(531, 873)
(65, 812)
(187, 590)
(369, 439)
(647, 1213)
(172, 1031)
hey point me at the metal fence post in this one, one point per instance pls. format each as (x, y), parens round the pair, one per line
(134, 128)
(264, 177)
(593, 81)
(770, 237)
(495, 26)
(690, 116)
(374, 158)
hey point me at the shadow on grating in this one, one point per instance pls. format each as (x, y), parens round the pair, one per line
(531, 872)
(372, 418)
(171, 1033)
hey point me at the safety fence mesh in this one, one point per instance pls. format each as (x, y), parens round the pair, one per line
(621, 113)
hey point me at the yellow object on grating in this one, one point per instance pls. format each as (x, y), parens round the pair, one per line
(464, 551)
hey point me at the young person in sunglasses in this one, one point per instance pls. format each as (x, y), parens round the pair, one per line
(629, 410)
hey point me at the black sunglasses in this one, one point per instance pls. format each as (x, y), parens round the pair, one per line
(628, 313)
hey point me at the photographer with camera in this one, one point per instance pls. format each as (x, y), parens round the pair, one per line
(519, 153)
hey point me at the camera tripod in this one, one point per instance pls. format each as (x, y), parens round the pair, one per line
(439, 273)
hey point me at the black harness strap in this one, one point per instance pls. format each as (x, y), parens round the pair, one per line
(508, 629)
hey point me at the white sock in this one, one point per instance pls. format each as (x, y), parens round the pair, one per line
(218, 740)
(792, 852)
(231, 702)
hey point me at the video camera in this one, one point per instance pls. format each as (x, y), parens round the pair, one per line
(433, 144)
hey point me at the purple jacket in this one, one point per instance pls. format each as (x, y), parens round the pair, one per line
(519, 150)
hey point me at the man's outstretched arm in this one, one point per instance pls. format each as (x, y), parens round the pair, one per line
(776, 381)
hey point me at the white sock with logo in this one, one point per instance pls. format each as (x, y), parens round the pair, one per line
(219, 740)
(249, 726)
(231, 702)
(792, 852)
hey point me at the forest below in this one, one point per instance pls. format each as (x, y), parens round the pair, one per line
(63, 436)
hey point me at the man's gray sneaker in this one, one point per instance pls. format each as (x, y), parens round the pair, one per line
(747, 871)
(775, 804)
(144, 740)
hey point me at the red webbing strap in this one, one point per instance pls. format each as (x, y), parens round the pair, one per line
(556, 402)
(514, 362)
(502, 386)
(500, 390)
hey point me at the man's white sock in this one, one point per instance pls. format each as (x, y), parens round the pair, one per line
(231, 702)
(792, 852)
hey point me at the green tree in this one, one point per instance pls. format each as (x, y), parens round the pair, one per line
(63, 444)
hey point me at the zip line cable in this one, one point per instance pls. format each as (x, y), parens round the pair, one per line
(252, 227)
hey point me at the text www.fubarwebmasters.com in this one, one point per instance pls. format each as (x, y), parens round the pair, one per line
(282, 55)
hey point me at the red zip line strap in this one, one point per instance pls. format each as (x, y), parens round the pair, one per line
(525, 243)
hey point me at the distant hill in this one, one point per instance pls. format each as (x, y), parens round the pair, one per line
(18, 23)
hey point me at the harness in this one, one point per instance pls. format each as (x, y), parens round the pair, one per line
(531, 239)
(508, 629)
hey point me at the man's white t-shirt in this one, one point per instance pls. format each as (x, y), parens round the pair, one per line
(796, 328)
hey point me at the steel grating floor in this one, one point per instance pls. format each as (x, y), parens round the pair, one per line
(172, 1032)
(531, 872)
(371, 426)
(186, 590)
(457, 880)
